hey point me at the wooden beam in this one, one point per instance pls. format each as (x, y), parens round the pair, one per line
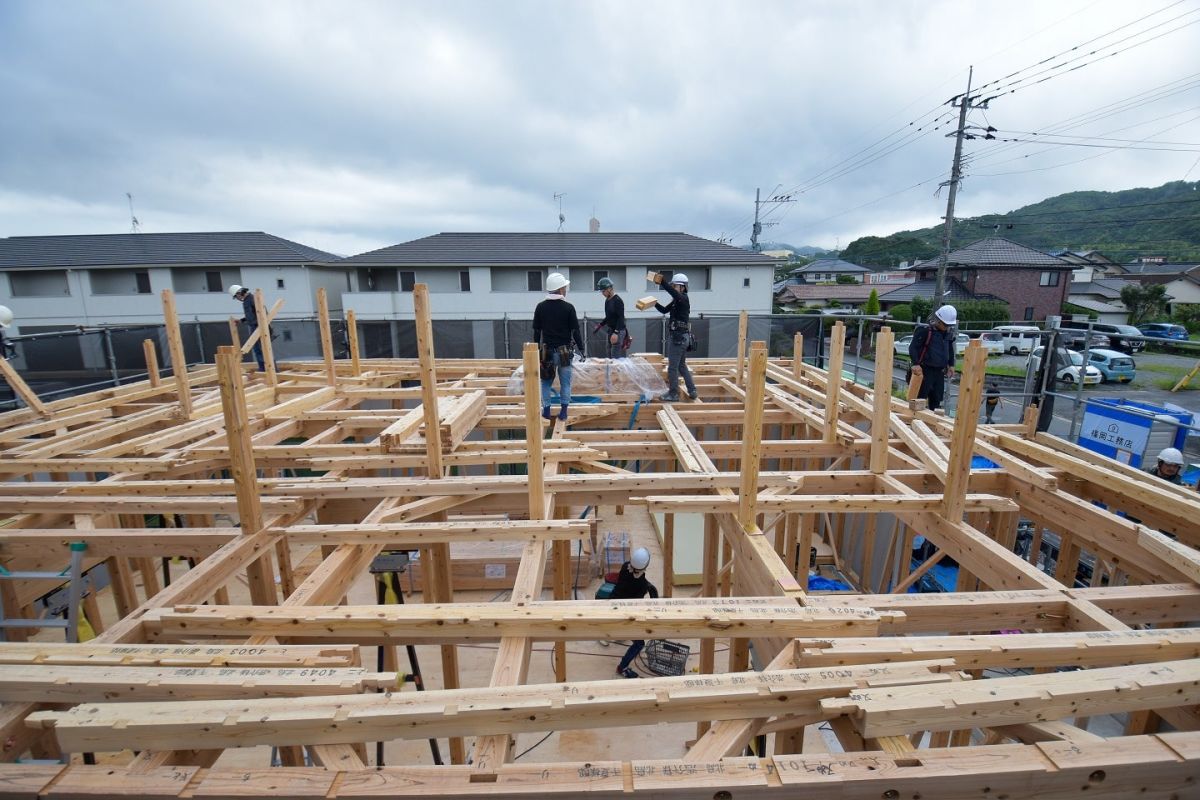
(966, 419)
(752, 435)
(264, 332)
(833, 389)
(183, 390)
(326, 336)
(352, 335)
(881, 419)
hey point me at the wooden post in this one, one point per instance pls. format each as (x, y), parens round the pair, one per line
(752, 434)
(797, 355)
(966, 419)
(327, 337)
(235, 336)
(352, 335)
(241, 466)
(708, 588)
(21, 388)
(533, 431)
(743, 331)
(151, 356)
(882, 410)
(264, 337)
(837, 351)
(668, 554)
(178, 360)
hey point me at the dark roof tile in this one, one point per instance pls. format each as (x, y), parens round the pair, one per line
(152, 249)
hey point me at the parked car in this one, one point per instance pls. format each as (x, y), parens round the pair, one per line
(1075, 340)
(1164, 330)
(1120, 337)
(1016, 339)
(960, 344)
(1068, 374)
(1113, 366)
(993, 342)
(901, 345)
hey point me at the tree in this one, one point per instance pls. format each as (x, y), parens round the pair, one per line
(982, 311)
(1144, 302)
(872, 306)
(847, 279)
(922, 308)
(1188, 315)
(902, 312)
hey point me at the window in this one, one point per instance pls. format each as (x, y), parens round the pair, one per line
(279, 283)
(407, 281)
(464, 281)
(212, 282)
(534, 278)
(1048, 279)
(1028, 312)
(143, 282)
(596, 276)
(39, 283)
(745, 283)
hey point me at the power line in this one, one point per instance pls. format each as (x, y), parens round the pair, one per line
(1192, 148)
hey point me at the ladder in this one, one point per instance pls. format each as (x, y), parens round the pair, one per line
(74, 576)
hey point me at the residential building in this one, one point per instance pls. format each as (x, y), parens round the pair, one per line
(797, 297)
(1033, 283)
(488, 276)
(1100, 296)
(828, 270)
(57, 282)
(1182, 281)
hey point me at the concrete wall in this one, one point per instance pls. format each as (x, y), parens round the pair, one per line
(1183, 291)
(38, 283)
(114, 281)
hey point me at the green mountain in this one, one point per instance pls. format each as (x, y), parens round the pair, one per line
(1163, 221)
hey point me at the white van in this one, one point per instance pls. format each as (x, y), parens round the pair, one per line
(1019, 339)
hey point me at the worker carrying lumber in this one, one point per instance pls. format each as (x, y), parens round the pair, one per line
(249, 316)
(556, 332)
(614, 319)
(1169, 466)
(632, 585)
(680, 340)
(932, 354)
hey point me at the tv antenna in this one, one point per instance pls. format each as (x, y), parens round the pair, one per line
(561, 219)
(134, 225)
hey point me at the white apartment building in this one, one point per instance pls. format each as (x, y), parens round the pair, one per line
(484, 276)
(59, 282)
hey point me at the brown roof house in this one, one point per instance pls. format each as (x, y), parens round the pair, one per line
(1033, 283)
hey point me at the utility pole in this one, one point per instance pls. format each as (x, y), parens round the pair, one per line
(757, 229)
(758, 204)
(964, 105)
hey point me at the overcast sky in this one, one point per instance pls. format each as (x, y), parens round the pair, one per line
(355, 125)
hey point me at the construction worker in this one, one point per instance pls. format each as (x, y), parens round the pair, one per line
(249, 316)
(991, 401)
(6, 319)
(632, 585)
(614, 318)
(556, 332)
(932, 354)
(1169, 466)
(680, 333)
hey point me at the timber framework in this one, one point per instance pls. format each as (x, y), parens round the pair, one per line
(786, 471)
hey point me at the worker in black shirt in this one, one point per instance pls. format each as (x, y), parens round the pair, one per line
(614, 318)
(932, 354)
(249, 316)
(556, 331)
(632, 585)
(6, 319)
(679, 333)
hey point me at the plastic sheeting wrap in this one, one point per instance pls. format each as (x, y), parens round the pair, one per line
(605, 375)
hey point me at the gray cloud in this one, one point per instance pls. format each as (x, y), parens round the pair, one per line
(354, 125)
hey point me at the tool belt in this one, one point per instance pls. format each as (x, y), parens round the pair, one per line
(565, 352)
(677, 325)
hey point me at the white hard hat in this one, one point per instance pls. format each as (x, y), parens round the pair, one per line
(679, 277)
(1171, 456)
(6, 316)
(640, 559)
(233, 290)
(947, 314)
(556, 281)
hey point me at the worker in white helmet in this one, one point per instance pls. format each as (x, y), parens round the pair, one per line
(679, 335)
(244, 296)
(6, 319)
(556, 332)
(1169, 466)
(632, 585)
(932, 353)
